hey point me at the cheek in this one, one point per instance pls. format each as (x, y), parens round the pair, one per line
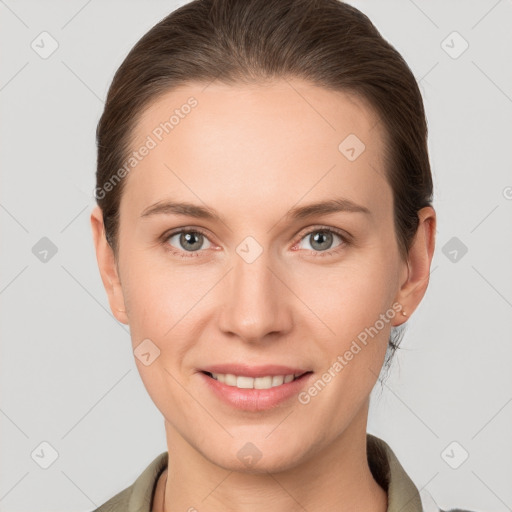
(350, 296)
(161, 309)
(170, 307)
(354, 303)
(356, 306)
(154, 293)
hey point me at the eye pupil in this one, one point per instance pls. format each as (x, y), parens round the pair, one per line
(320, 237)
(190, 237)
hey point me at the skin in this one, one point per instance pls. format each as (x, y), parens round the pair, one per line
(252, 152)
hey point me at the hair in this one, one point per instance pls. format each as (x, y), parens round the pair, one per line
(325, 42)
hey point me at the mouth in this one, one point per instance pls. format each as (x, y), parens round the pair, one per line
(254, 388)
(262, 382)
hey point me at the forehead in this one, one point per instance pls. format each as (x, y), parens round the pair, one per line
(279, 140)
(245, 106)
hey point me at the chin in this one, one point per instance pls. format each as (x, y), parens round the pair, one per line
(254, 458)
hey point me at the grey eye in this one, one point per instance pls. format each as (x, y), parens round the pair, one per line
(190, 241)
(320, 239)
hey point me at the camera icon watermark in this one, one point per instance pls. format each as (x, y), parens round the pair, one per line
(454, 45)
(44, 45)
(146, 352)
(351, 147)
(454, 455)
(249, 454)
(44, 250)
(44, 455)
(454, 249)
(249, 249)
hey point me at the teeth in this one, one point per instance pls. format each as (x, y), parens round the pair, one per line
(243, 382)
(263, 382)
(277, 380)
(229, 379)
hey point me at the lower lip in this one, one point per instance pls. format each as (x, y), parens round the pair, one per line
(255, 399)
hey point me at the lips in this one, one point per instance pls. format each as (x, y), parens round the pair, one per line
(254, 371)
(255, 388)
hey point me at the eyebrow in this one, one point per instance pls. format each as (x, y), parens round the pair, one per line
(296, 213)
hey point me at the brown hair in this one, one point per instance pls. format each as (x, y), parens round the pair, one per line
(326, 42)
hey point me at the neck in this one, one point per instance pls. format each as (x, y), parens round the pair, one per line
(337, 478)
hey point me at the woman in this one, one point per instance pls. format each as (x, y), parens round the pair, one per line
(264, 224)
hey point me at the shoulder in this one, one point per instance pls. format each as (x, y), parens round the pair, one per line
(118, 502)
(139, 495)
(403, 494)
(429, 505)
(457, 510)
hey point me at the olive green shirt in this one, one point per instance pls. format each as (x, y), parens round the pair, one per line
(403, 496)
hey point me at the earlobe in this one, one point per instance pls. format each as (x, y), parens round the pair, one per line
(108, 267)
(418, 264)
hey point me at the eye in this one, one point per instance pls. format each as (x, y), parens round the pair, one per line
(321, 239)
(190, 242)
(185, 241)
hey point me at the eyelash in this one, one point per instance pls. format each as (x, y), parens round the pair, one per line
(192, 254)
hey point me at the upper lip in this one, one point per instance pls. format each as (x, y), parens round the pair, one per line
(254, 371)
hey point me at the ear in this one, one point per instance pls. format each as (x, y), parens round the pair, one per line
(417, 267)
(108, 267)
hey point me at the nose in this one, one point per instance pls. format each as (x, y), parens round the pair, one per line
(256, 303)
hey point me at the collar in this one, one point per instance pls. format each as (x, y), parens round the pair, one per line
(403, 496)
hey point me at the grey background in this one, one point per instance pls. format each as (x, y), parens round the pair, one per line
(68, 377)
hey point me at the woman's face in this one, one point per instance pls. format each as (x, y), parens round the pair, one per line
(265, 284)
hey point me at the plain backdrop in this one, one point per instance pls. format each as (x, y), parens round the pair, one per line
(69, 384)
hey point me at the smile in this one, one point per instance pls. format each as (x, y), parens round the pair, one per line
(255, 393)
(244, 382)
